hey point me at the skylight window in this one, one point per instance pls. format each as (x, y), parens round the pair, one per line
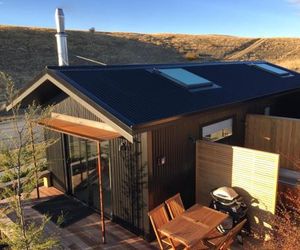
(272, 69)
(185, 78)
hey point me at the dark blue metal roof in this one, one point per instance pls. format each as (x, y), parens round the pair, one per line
(136, 94)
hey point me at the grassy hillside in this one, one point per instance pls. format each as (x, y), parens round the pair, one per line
(283, 51)
(25, 51)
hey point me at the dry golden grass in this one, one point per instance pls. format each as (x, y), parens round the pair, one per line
(283, 51)
(290, 64)
(25, 51)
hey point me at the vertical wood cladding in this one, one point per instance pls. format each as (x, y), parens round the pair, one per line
(140, 178)
(128, 171)
(128, 180)
(68, 106)
(176, 143)
(56, 161)
(275, 134)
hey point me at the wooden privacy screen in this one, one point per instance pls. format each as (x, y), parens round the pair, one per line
(277, 135)
(253, 174)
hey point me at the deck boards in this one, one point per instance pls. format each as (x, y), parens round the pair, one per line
(85, 233)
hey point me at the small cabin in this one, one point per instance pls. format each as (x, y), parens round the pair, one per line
(145, 121)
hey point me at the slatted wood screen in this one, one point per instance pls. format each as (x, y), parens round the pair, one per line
(253, 173)
(275, 134)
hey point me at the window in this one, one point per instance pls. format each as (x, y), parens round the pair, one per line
(267, 110)
(185, 78)
(272, 69)
(217, 131)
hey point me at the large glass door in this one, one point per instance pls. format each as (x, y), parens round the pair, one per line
(106, 175)
(77, 168)
(83, 172)
(93, 174)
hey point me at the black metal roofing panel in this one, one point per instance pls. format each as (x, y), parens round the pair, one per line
(137, 94)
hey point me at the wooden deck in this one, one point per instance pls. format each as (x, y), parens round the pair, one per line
(85, 233)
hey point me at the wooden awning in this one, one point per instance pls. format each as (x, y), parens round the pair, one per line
(78, 129)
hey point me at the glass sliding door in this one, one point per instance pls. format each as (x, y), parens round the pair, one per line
(83, 172)
(93, 174)
(106, 181)
(77, 167)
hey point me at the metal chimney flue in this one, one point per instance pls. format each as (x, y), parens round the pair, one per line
(61, 38)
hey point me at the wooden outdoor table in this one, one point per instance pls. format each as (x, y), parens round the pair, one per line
(193, 225)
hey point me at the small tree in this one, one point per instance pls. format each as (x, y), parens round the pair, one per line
(37, 146)
(20, 163)
(284, 232)
(92, 30)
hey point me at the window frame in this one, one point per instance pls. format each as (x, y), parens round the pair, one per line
(192, 87)
(232, 118)
(285, 73)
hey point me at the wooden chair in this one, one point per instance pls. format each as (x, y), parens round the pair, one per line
(223, 241)
(158, 217)
(175, 206)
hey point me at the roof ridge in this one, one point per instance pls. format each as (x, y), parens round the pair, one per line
(147, 66)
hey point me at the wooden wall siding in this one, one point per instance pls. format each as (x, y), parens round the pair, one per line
(176, 174)
(129, 184)
(55, 160)
(68, 106)
(177, 143)
(128, 175)
(275, 134)
(253, 173)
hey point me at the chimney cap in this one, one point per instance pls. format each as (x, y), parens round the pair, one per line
(60, 20)
(59, 12)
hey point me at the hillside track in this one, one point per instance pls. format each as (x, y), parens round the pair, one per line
(240, 54)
